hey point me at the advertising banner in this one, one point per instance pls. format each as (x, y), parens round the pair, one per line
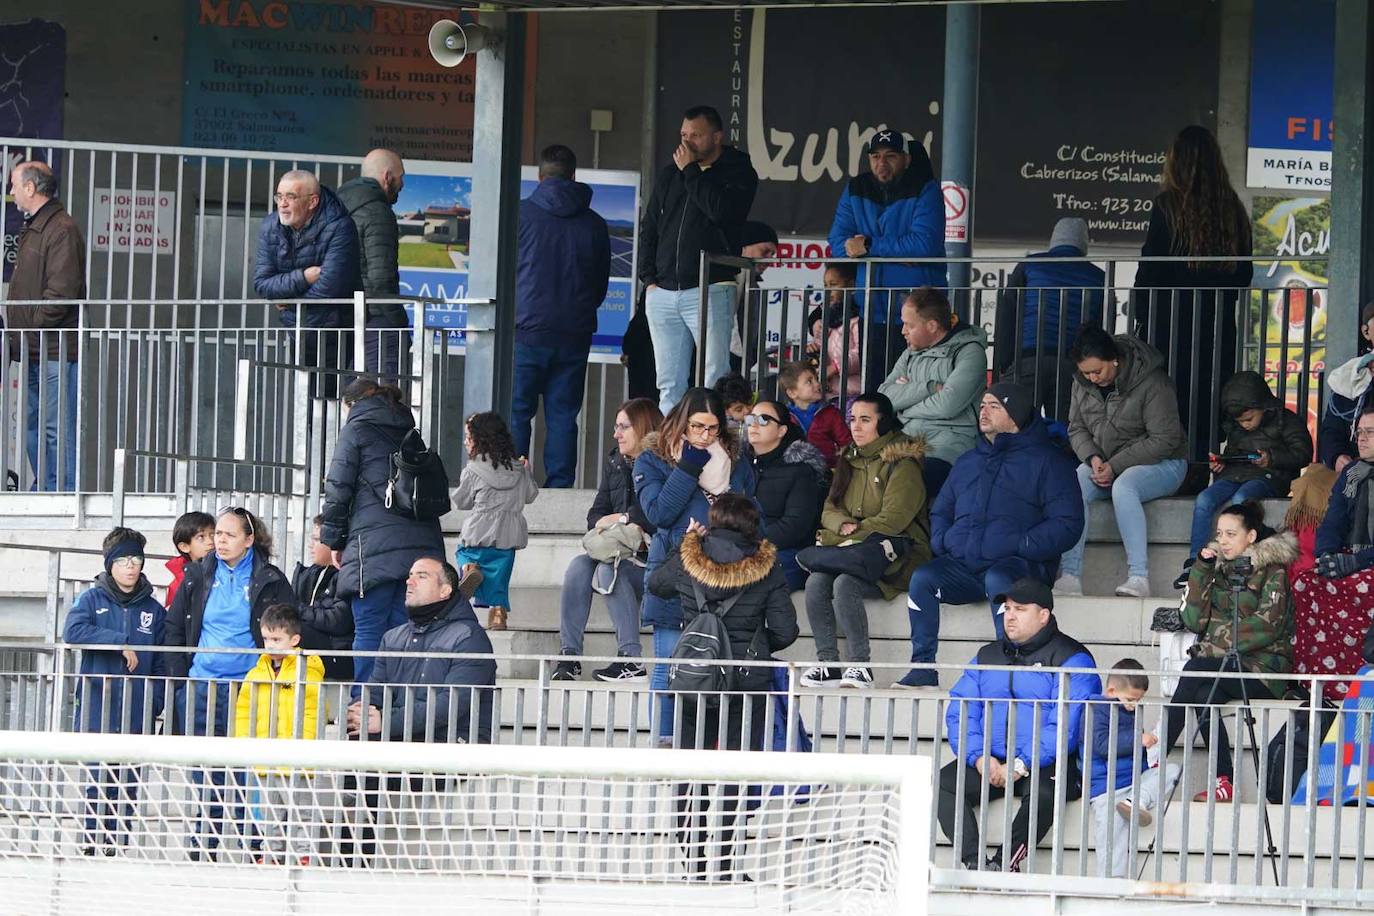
(33, 68)
(1291, 79)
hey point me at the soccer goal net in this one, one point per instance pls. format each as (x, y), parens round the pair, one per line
(124, 823)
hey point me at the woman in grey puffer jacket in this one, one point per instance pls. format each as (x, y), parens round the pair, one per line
(496, 485)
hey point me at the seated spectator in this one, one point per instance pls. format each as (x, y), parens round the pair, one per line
(1264, 639)
(1267, 446)
(1023, 763)
(844, 365)
(823, 424)
(938, 381)
(193, 535)
(1008, 510)
(326, 618)
(1115, 768)
(1334, 601)
(877, 490)
(738, 398)
(620, 583)
(1124, 427)
(427, 693)
(1347, 393)
(1039, 312)
(792, 480)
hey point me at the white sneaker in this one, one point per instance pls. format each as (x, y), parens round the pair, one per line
(856, 676)
(1068, 585)
(1134, 587)
(1128, 810)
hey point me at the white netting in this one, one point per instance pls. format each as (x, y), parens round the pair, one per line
(343, 828)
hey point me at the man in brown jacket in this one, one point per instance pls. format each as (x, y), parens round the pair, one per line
(50, 265)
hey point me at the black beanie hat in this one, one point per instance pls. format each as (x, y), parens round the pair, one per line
(1018, 400)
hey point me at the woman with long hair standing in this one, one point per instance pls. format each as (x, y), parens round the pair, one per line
(1183, 305)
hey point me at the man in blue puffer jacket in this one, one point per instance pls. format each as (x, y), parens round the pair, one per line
(1007, 506)
(894, 210)
(976, 724)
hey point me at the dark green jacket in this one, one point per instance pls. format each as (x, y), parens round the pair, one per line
(1282, 434)
(378, 240)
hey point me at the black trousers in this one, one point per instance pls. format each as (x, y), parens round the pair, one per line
(708, 840)
(1193, 691)
(969, 845)
(357, 848)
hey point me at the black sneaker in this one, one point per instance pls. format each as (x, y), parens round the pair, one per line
(1182, 579)
(622, 672)
(566, 670)
(994, 863)
(821, 676)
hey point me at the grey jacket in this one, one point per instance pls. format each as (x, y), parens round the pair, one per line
(497, 499)
(936, 391)
(1137, 421)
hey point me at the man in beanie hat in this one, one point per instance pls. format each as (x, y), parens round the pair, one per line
(1347, 388)
(1024, 763)
(1027, 348)
(1010, 507)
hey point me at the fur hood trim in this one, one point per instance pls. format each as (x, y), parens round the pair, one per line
(904, 446)
(803, 452)
(726, 576)
(1279, 549)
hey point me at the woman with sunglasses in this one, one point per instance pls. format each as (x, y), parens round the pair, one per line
(792, 477)
(684, 466)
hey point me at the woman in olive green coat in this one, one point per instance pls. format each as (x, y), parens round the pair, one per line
(878, 489)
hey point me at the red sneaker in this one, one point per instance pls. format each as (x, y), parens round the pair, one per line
(1223, 792)
(303, 861)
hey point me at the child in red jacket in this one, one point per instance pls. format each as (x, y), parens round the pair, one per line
(823, 423)
(193, 535)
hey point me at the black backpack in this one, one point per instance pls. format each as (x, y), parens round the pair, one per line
(701, 659)
(418, 485)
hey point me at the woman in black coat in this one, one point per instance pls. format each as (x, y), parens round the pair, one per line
(372, 546)
(792, 482)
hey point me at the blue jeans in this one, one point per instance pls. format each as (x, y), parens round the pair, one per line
(1220, 494)
(947, 579)
(380, 608)
(674, 318)
(793, 574)
(1131, 489)
(55, 406)
(622, 603)
(665, 641)
(558, 375)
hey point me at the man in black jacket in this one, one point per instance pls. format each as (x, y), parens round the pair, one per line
(699, 203)
(369, 199)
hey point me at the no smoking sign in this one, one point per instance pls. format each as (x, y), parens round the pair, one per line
(956, 211)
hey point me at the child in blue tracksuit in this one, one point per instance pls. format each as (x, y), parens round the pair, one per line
(1126, 684)
(120, 690)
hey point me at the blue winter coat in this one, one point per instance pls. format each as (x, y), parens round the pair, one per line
(670, 498)
(563, 267)
(1101, 711)
(329, 241)
(1343, 527)
(1016, 496)
(904, 219)
(1047, 649)
(1062, 287)
(104, 615)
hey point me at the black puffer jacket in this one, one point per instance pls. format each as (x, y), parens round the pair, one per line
(1282, 434)
(378, 545)
(615, 494)
(791, 488)
(724, 563)
(694, 210)
(326, 619)
(266, 586)
(378, 239)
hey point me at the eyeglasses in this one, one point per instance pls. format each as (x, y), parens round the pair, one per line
(701, 429)
(623, 427)
(760, 419)
(1364, 433)
(291, 196)
(128, 563)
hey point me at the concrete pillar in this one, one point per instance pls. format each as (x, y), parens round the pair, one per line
(1352, 182)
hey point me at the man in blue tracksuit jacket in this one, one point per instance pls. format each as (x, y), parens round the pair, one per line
(894, 210)
(976, 724)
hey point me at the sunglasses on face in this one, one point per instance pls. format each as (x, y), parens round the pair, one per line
(241, 513)
(759, 419)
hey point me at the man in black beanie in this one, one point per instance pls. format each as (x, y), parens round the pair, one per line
(1011, 506)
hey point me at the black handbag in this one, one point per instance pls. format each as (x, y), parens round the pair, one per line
(867, 559)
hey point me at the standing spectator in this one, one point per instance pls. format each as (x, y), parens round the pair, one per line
(792, 479)
(894, 210)
(1197, 214)
(979, 714)
(326, 618)
(1347, 388)
(1039, 311)
(822, 423)
(1263, 641)
(1333, 602)
(620, 583)
(1007, 511)
(1267, 446)
(877, 490)
(938, 381)
(49, 264)
(220, 606)
(684, 467)
(118, 610)
(759, 243)
(562, 272)
(699, 203)
(637, 355)
(193, 535)
(308, 249)
(372, 546)
(844, 365)
(369, 199)
(1123, 425)
(496, 485)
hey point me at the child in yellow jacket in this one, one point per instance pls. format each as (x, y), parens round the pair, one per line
(266, 708)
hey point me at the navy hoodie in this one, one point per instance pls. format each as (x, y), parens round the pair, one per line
(564, 266)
